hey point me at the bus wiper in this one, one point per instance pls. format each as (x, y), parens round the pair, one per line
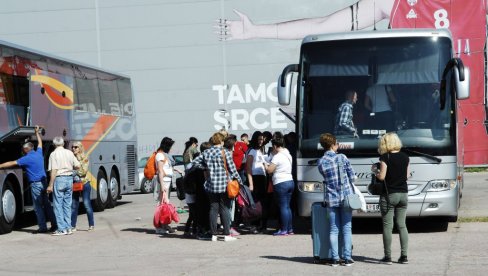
(431, 157)
(293, 120)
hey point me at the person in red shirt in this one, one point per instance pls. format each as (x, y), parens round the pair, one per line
(239, 156)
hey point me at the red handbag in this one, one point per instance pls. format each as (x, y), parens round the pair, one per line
(164, 214)
(78, 186)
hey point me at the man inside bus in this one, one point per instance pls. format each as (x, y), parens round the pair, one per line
(379, 101)
(33, 163)
(344, 125)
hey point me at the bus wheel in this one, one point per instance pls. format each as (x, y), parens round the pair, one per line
(8, 211)
(102, 193)
(146, 186)
(113, 190)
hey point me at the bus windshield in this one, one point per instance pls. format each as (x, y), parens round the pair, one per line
(359, 89)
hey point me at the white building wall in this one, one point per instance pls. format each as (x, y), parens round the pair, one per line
(174, 58)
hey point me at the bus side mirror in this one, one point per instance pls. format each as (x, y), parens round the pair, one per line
(284, 84)
(462, 87)
(461, 81)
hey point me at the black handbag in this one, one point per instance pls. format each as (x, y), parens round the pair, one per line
(250, 213)
(180, 189)
(250, 210)
(376, 187)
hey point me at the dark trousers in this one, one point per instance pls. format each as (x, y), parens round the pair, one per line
(192, 218)
(260, 193)
(219, 204)
(202, 209)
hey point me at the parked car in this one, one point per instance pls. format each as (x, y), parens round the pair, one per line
(146, 185)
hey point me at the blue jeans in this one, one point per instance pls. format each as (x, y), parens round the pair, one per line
(63, 190)
(340, 217)
(42, 206)
(86, 202)
(282, 193)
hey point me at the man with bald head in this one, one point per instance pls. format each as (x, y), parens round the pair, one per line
(33, 164)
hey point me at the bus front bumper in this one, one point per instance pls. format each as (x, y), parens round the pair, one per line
(425, 204)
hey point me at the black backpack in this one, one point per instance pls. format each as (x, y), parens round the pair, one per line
(191, 179)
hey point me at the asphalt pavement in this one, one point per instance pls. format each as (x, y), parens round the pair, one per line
(474, 202)
(124, 243)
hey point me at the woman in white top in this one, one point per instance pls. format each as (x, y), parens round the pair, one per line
(164, 175)
(256, 175)
(283, 184)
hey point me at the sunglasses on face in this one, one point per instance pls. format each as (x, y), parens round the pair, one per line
(74, 147)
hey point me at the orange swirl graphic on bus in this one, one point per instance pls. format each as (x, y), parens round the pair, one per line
(54, 90)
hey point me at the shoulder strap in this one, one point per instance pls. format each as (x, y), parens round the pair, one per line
(225, 162)
(341, 173)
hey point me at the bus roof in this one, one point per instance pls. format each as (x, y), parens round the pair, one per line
(57, 58)
(378, 34)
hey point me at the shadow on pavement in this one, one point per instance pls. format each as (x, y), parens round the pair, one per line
(299, 259)
(311, 260)
(151, 231)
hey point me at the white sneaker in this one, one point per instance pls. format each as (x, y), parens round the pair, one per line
(69, 231)
(229, 238)
(161, 231)
(170, 229)
(73, 229)
(91, 228)
(59, 233)
(214, 238)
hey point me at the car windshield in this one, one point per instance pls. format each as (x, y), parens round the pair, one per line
(142, 162)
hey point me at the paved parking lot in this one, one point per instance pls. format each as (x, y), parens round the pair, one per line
(124, 243)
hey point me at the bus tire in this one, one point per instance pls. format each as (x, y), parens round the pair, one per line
(8, 208)
(100, 202)
(146, 186)
(113, 190)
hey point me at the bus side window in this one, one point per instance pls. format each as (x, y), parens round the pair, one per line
(125, 97)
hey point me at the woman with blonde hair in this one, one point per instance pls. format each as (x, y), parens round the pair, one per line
(394, 201)
(79, 152)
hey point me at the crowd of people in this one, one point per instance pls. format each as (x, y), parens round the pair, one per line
(267, 173)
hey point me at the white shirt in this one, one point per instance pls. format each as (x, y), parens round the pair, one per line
(257, 164)
(167, 168)
(283, 162)
(63, 161)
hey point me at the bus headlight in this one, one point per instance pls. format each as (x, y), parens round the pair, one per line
(311, 187)
(440, 185)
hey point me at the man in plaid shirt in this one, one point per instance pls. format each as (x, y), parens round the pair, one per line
(344, 124)
(215, 185)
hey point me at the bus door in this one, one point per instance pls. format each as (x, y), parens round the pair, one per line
(51, 103)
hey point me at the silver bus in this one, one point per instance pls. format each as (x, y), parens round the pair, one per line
(422, 78)
(72, 100)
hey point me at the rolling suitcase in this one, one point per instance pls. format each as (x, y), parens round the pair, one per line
(320, 233)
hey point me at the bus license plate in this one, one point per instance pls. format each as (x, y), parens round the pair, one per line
(372, 208)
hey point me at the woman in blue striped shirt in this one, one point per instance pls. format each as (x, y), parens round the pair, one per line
(338, 177)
